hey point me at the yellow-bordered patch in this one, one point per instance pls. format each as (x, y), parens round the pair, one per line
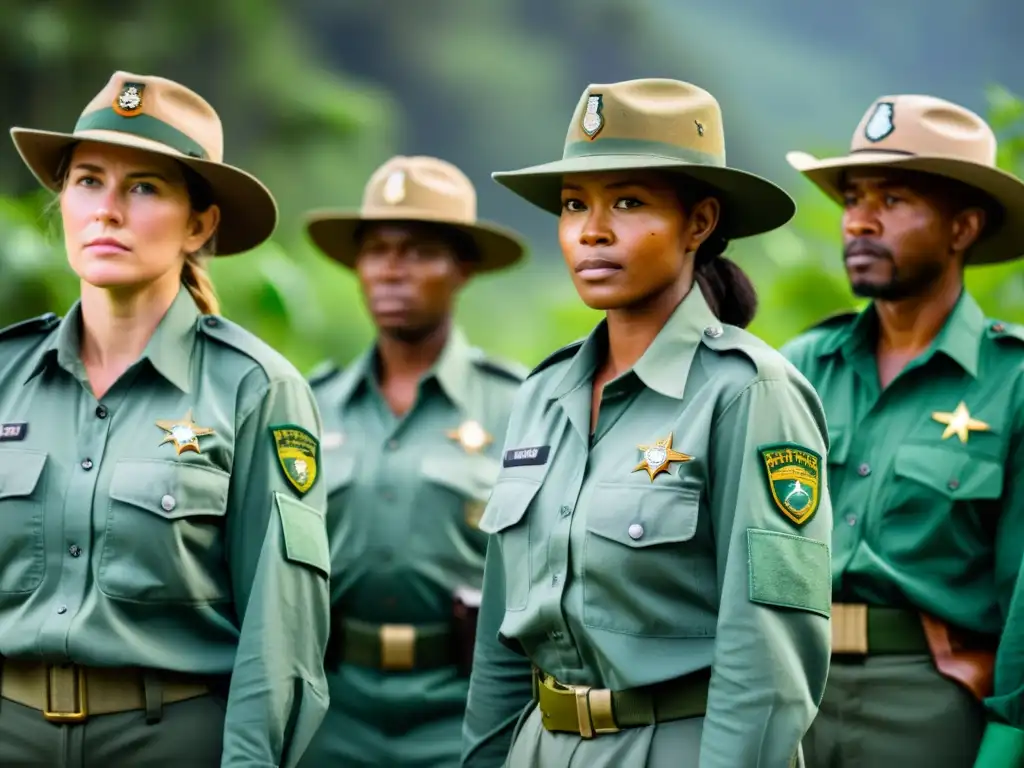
(794, 479)
(298, 453)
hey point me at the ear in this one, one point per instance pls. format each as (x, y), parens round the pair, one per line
(703, 220)
(202, 226)
(967, 228)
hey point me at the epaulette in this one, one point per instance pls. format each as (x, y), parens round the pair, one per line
(506, 369)
(834, 321)
(237, 337)
(730, 338)
(559, 354)
(323, 372)
(36, 325)
(997, 329)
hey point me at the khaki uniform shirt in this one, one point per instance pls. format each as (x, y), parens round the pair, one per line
(157, 527)
(606, 576)
(927, 475)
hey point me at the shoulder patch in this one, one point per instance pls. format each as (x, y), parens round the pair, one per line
(33, 326)
(559, 354)
(298, 453)
(997, 329)
(323, 372)
(793, 474)
(273, 363)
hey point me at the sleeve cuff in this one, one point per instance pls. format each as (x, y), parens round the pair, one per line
(1001, 747)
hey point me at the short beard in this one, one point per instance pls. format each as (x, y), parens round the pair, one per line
(901, 286)
(412, 335)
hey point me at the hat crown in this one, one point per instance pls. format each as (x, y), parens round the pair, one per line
(652, 116)
(420, 187)
(926, 126)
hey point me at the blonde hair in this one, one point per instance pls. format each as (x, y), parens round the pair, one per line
(196, 278)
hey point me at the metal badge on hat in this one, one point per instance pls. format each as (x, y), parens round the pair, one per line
(880, 125)
(593, 120)
(394, 188)
(129, 101)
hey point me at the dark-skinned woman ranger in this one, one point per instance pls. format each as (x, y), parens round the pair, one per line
(656, 589)
(161, 521)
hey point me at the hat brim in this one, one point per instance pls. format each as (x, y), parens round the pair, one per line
(751, 205)
(334, 233)
(248, 213)
(1005, 242)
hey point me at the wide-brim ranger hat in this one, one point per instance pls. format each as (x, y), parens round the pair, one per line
(421, 189)
(166, 118)
(930, 135)
(656, 124)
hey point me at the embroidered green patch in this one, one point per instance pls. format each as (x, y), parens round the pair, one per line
(298, 453)
(794, 479)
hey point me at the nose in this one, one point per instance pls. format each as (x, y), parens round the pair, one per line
(108, 207)
(861, 220)
(386, 265)
(597, 229)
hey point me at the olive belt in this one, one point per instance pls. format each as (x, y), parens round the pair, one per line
(69, 693)
(866, 630)
(396, 647)
(588, 711)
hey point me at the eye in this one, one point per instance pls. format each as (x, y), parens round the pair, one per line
(144, 188)
(87, 181)
(573, 205)
(627, 202)
(849, 200)
(891, 200)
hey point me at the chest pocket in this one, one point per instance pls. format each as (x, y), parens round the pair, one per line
(164, 540)
(464, 484)
(643, 571)
(21, 520)
(949, 472)
(505, 516)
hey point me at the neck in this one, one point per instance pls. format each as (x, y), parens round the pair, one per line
(401, 359)
(910, 325)
(632, 330)
(116, 325)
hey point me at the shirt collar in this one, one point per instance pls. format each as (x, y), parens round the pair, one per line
(664, 366)
(169, 350)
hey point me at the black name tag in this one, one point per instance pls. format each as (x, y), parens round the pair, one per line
(13, 431)
(527, 457)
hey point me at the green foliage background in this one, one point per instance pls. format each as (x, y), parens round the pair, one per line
(314, 135)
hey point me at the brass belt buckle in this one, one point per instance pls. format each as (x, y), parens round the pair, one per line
(850, 628)
(75, 675)
(397, 646)
(594, 711)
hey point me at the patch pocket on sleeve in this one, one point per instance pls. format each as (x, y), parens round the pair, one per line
(789, 571)
(305, 534)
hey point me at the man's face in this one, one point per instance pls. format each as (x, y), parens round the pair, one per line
(902, 232)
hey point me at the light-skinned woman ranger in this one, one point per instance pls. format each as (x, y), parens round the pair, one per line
(163, 552)
(656, 589)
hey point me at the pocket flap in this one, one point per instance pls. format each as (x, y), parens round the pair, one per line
(644, 517)
(171, 489)
(509, 501)
(470, 476)
(950, 471)
(20, 471)
(305, 534)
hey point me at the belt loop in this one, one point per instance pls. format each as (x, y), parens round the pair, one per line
(153, 692)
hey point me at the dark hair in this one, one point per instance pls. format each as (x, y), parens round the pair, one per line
(462, 245)
(726, 288)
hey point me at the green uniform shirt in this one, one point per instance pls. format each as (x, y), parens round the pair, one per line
(928, 514)
(118, 548)
(405, 498)
(608, 577)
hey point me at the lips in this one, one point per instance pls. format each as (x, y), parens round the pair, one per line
(597, 269)
(107, 245)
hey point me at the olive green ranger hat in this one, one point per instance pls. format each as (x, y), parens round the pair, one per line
(656, 124)
(160, 116)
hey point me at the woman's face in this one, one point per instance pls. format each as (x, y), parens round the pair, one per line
(626, 237)
(128, 221)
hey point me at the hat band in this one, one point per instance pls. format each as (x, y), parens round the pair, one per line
(642, 147)
(144, 126)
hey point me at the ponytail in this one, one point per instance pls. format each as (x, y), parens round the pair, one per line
(726, 288)
(196, 278)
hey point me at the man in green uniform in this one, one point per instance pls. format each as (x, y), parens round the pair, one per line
(413, 430)
(926, 457)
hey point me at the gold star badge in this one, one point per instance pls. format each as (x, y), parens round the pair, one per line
(959, 423)
(659, 457)
(471, 436)
(184, 433)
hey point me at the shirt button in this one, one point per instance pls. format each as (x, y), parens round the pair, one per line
(953, 484)
(211, 322)
(86, 464)
(713, 331)
(864, 470)
(565, 511)
(392, 445)
(168, 503)
(101, 412)
(998, 327)
(851, 519)
(63, 609)
(636, 531)
(554, 579)
(74, 550)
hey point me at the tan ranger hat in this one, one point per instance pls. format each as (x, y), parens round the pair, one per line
(655, 124)
(930, 135)
(415, 189)
(161, 116)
